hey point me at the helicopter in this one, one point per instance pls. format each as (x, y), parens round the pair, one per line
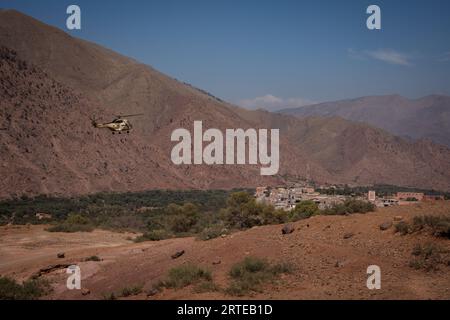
(119, 124)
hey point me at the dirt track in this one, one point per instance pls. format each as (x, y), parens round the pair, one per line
(327, 266)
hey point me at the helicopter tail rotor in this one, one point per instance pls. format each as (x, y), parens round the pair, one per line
(94, 121)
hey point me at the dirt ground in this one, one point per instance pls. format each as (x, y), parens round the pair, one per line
(326, 265)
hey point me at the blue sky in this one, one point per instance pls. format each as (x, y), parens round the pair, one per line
(273, 54)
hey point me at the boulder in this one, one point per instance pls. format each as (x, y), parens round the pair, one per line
(385, 225)
(348, 235)
(288, 228)
(61, 255)
(152, 292)
(177, 254)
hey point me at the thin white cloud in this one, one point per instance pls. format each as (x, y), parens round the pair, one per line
(390, 56)
(273, 103)
(385, 55)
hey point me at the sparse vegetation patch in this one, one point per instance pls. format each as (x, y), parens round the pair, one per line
(31, 289)
(428, 257)
(250, 274)
(185, 275)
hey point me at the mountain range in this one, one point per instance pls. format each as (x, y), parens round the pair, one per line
(52, 84)
(424, 118)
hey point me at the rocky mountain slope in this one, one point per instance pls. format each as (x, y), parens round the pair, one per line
(424, 118)
(52, 84)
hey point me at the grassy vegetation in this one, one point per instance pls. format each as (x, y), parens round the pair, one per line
(402, 227)
(185, 275)
(131, 291)
(213, 232)
(28, 290)
(438, 226)
(250, 274)
(428, 257)
(125, 292)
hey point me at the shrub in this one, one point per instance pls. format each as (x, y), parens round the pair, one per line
(304, 210)
(350, 206)
(251, 273)
(182, 218)
(131, 291)
(73, 223)
(402, 227)
(206, 286)
(270, 215)
(244, 212)
(439, 225)
(29, 290)
(109, 296)
(154, 235)
(186, 275)
(428, 257)
(212, 232)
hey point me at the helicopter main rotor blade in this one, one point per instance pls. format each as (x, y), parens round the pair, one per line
(129, 115)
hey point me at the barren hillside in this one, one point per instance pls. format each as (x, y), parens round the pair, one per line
(329, 255)
(50, 147)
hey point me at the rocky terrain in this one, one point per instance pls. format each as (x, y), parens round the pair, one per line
(329, 255)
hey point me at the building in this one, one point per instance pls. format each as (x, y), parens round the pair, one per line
(409, 196)
(437, 197)
(371, 196)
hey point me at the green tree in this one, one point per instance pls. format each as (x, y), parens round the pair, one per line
(304, 210)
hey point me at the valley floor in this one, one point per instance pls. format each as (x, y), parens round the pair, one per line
(327, 265)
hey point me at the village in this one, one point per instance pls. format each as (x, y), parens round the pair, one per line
(286, 198)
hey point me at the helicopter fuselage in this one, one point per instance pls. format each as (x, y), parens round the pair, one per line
(118, 125)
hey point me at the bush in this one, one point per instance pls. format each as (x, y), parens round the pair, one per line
(186, 275)
(131, 291)
(251, 273)
(73, 223)
(244, 212)
(182, 218)
(428, 257)
(304, 209)
(402, 227)
(206, 286)
(212, 232)
(439, 225)
(155, 235)
(29, 290)
(270, 215)
(109, 296)
(350, 206)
